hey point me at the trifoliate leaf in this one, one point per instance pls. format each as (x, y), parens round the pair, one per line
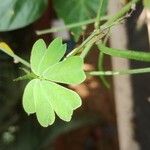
(44, 97)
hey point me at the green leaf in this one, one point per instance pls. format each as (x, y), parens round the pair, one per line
(42, 57)
(41, 95)
(147, 3)
(45, 98)
(129, 54)
(63, 100)
(16, 14)
(28, 98)
(72, 11)
(36, 100)
(68, 71)
(6, 49)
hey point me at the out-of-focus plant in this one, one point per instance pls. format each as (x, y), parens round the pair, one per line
(16, 14)
(147, 3)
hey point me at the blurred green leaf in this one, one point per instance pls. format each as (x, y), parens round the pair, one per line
(5, 48)
(16, 14)
(147, 3)
(73, 11)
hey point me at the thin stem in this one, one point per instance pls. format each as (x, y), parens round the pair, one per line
(120, 72)
(121, 13)
(129, 54)
(100, 67)
(97, 22)
(100, 62)
(95, 36)
(7, 50)
(87, 49)
(104, 27)
(19, 59)
(76, 50)
(111, 22)
(70, 26)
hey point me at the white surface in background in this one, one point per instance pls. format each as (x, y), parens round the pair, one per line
(64, 34)
(122, 87)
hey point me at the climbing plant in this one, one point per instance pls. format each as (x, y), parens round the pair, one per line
(50, 66)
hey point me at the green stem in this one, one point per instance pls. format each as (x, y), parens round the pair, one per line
(70, 26)
(119, 14)
(100, 67)
(15, 57)
(97, 22)
(86, 50)
(100, 63)
(129, 54)
(120, 72)
(111, 22)
(19, 59)
(87, 41)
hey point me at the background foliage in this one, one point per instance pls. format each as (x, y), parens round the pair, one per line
(16, 14)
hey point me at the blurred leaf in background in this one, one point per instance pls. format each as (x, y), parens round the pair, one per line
(16, 14)
(5, 48)
(73, 11)
(147, 3)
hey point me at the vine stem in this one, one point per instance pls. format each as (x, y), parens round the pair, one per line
(121, 13)
(120, 72)
(70, 26)
(87, 49)
(87, 41)
(111, 22)
(97, 22)
(101, 55)
(129, 54)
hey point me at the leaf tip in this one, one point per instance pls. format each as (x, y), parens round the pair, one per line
(5, 48)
